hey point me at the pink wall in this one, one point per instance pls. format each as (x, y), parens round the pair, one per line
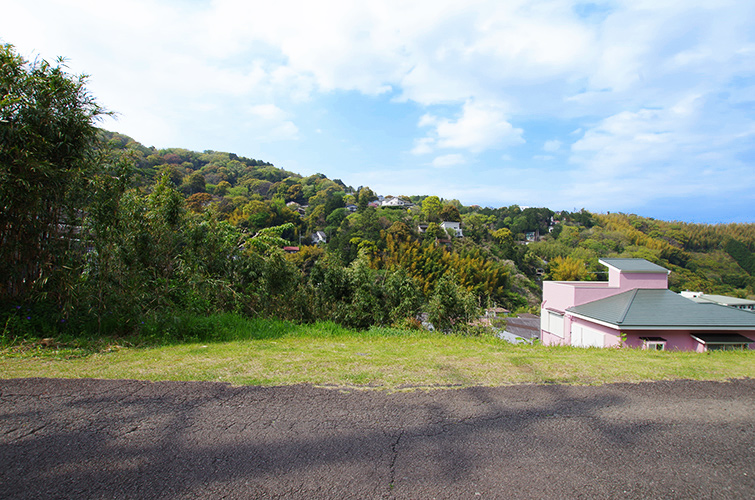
(558, 295)
(628, 281)
(638, 280)
(675, 340)
(548, 338)
(611, 336)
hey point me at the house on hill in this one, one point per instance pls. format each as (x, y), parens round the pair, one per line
(319, 237)
(635, 308)
(452, 227)
(395, 202)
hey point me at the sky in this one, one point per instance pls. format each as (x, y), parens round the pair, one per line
(637, 106)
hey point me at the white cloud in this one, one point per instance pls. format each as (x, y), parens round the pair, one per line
(656, 91)
(269, 112)
(448, 160)
(423, 146)
(633, 158)
(480, 126)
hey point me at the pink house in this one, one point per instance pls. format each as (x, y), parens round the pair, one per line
(635, 308)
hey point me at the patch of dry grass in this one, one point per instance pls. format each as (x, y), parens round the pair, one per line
(389, 360)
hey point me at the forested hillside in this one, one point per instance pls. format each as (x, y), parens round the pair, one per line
(501, 257)
(102, 234)
(702, 257)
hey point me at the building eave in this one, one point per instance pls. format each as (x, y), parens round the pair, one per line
(685, 328)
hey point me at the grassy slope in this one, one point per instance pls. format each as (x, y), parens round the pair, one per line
(278, 353)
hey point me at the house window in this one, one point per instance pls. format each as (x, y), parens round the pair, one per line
(653, 343)
(722, 341)
(726, 347)
(655, 346)
(552, 322)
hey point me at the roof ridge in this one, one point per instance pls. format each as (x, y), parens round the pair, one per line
(626, 308)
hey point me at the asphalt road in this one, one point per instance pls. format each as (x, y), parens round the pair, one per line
(132, 439)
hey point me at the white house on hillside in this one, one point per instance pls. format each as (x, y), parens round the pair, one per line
(452, 226)
(319, 237)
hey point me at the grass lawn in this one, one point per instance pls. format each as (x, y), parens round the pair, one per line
(262, 352)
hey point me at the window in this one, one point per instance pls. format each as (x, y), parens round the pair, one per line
(726, 347)
(653, 343)
(552, 322)
(722, 341)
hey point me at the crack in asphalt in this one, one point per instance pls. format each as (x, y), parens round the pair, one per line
(394, 457)
(30, 433)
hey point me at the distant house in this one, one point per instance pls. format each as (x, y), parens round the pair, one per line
(495, 312)
(454, 227)
(295, 207)
(290, 249)
(352, 208)
(635, 308)
(319, 237)
(705, 298)
(395, 202)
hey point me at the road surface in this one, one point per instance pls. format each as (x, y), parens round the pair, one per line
(133, 439)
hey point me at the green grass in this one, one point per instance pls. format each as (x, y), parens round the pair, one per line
(239, 351)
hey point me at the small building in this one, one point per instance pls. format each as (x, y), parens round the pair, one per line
(724, 300)
(453, 227)
(495, 312)
(295, 207)
(635, 308)
(395, 202)
(319, 237)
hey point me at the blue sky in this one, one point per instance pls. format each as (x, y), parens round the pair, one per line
(638, 106)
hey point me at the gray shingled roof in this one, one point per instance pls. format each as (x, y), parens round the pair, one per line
(722, 299)
(524, 326)
(661, 308)
(634, 266)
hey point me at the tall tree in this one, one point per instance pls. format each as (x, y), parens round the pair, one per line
(47, 138)
(431, 208)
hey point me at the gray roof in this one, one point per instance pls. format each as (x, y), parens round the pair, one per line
(722, 299)
(634, 266)
(525, 327)
(661, 308)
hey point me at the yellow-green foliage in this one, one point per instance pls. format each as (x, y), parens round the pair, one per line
(427, 262)
(568, 269)
(710, 258)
